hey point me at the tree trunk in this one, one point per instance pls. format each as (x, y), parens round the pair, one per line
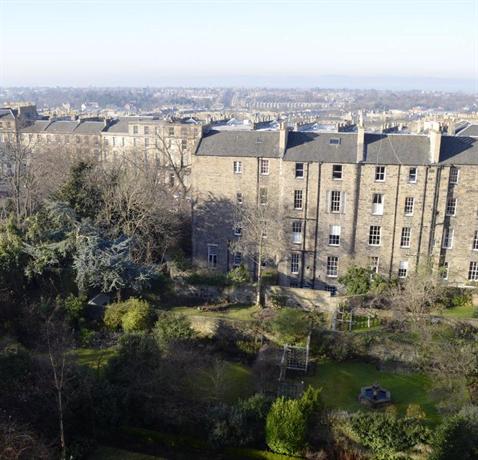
(62, 431)
(259, 277)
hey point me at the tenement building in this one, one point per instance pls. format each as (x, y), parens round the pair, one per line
(388, 201)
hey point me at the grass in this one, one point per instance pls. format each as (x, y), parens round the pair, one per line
(225, 381)
(341, 383)
(111, 453)
(463, 312)
(94, 357)
(235, 311)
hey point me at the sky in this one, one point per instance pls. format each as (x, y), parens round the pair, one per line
(424, 44)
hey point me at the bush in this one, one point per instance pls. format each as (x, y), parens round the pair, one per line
(132, 315)
(75, 308)
(385, 434)
(208, 279)
(457, 437)
(239, 275)
(290, 325)
(287, 423)
(172, 328)
(356, 280)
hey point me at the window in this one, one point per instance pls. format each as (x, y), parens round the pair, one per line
(412, 175)
(374, 235)
(299, 170)
(239, 198)
(403, 269)
(237, 231)
(475, 241)
(332, 266)
(294, 263)
(135, 130)
(451, 207)
(374, 262)
(237, 167)
(473, 271)
(264, 167)
(454, 173)
(334, 235)
(184, 144)
(146, 130)
(334, 141)
(146, 142)
(379, 173)
(377, 204)
(335, 201)
(409, 202)
(337, 172)
(444, 271)
(405, 238)
(237, 259)
(297, 199)
(171, 131)
(106, 141)
(447, 238)
(297, 232)
(212, 255)
(263, 195)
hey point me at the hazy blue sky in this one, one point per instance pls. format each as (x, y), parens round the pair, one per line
(146, 42)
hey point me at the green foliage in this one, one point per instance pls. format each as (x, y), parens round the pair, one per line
(239, 275)
(290, 325)
(385, 434)
(287, 422)
(279, 300)
(205, 278)
(171, 328)
(80, 193)
(74, 307)
(356, 280)
(457, 437)
(12, 258)
(241, 424)
(415, 411)
(132, 315)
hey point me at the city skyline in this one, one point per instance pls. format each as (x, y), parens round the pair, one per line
(240, 43)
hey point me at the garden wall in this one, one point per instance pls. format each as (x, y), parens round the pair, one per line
(309, 299)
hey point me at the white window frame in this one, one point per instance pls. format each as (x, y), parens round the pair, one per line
(339, 172)
(263, 196)
(377, 208)
(473, 271)
(295, 263)
(237, 259)
(406, 237)
(374, 263)
(264, 167)
(237, 231)
(474, 246)
(448, 234)
(239, 198)
(237, 167)
(374, 233)
(335, 205)
(298, 199)
(412, 178)
(332, 267)
(379, 171)
(212, 255)
(409, 205)
(403, 269)
(454, 175)
(451, 207)
(444, 270)
(334, 235)
(297, 232)
(299, 170)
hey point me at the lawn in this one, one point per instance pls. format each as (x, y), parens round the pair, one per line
(341, 383)
(110, 453)
(238, 312)
(463, 312)
(94, 357)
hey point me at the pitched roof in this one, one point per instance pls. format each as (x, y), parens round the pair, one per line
(62, 127)
(240, 144)
(90, 127)
(405, 149)
(459, 150)
(470, 130)
(37, 126)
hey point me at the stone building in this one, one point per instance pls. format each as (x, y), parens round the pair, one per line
(389, 201)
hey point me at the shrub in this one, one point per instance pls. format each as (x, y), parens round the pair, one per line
(287, 422)
(239, 275)
(205, 278)
(132, 315)
(171, 328)
(415, 411)
(386, 435)
(457, 437)
(74, 307)
(356, 280)
(290, 325)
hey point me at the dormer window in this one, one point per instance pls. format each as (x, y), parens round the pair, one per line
(334, 141)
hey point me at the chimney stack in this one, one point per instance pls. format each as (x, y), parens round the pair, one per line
(283, 132)
(360, 144)
(451, 130)
(435, 143)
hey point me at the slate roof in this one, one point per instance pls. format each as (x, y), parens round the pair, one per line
(392, 149)
(90, 127)
(470, 130)
(459, 150)
(7, 113)
(62, 127)
(37, 126)
(240, 144)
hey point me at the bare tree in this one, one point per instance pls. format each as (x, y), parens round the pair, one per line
(261, 238)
